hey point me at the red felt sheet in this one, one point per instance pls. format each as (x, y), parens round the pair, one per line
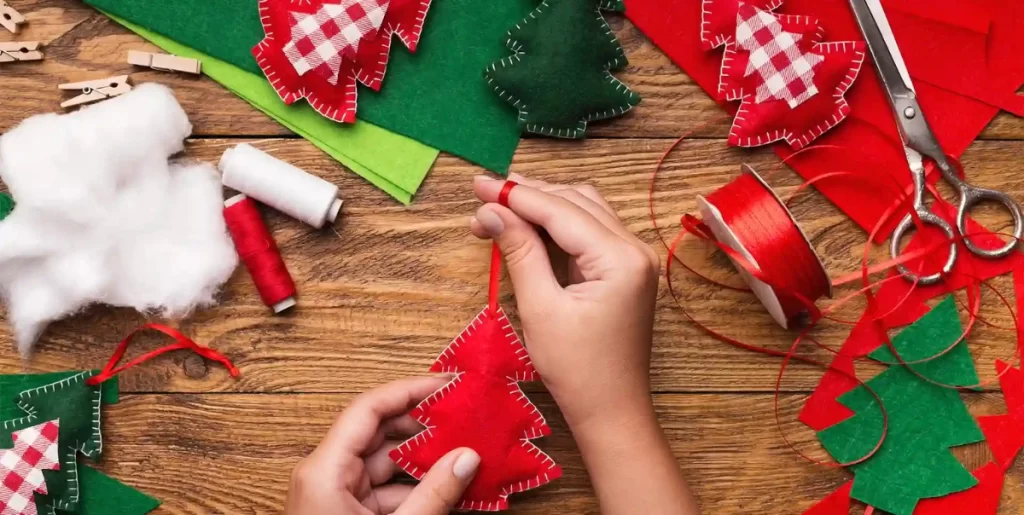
(869, 134)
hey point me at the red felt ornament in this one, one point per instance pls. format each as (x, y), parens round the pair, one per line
(1005, 433)
(837, 503)
(484, 409)
(319, 50)
(21, 467)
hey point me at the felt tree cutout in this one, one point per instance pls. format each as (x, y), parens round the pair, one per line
(559, 77)
(1005, 433)
(483, 409)
(792, 86)
(21, 467)
(924, 420)
(76, 405)
(982, 499)
(343, 42)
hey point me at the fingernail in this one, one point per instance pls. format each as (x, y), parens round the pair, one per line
(483, 178)
(466, 465)
(491, 222)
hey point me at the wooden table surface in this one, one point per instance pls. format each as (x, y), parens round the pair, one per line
(380, 301)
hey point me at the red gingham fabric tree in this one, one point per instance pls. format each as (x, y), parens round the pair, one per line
(21, 468)
(791, 84)
(342, 42)
(484, 409)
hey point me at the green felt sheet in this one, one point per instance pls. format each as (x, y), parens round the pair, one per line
(436, 96)
(392, 162)
(101, 494)
(924, 421)
(559, 75)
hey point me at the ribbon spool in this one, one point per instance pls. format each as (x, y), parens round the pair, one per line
(291, 190)
(748, 217)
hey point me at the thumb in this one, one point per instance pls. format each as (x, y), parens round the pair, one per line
(442, 487)
(527, 259)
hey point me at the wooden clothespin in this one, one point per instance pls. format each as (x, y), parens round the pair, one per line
(20, 51)
(96, 90)
(9, 18)
(165, 62)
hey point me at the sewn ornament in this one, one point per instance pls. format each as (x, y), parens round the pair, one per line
(342, 44)
(559, 76)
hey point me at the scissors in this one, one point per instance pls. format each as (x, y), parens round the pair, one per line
(919, 142)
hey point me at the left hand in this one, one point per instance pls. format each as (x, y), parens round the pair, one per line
(349, 473)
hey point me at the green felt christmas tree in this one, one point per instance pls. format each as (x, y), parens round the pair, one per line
(29, 399)
(924, 419)
(559, 77)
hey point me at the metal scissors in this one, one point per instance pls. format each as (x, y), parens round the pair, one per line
(919, 142)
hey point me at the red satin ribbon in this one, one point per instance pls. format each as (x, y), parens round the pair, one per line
(183, 342)
(494, 287)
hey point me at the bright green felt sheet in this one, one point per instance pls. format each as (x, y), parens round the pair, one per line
(924, 420)
(437, 96)
(392, 162)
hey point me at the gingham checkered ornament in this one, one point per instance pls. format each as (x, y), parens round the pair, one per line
(340, 43)
(791, 84)
(35, 450)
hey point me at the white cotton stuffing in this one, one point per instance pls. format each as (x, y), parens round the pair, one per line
(102, 216)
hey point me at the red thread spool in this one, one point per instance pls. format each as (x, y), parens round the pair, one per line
(747, 216)
(259, 252)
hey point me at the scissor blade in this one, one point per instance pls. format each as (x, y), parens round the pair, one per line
(878, 34)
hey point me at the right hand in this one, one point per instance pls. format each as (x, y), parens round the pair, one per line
(591, 339)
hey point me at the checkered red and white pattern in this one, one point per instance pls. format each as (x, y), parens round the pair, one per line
(786, 70)
(21, 468)
(320, 40)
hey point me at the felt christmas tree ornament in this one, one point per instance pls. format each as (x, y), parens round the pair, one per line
(101, 495)
(924, 419)
(559, 77)
(484, 409)
(340, 43)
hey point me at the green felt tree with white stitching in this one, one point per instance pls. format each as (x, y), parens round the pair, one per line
(924, 418)
(559, 77)
(76, 405)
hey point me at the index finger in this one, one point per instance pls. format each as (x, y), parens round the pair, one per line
(357, 426)
(575, 230)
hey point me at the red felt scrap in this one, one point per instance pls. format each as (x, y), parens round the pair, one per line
(332, 90)
(822, 410)
(837, 503)
(1005, 433)
(869, 135)
(483, 409)
(981, 499)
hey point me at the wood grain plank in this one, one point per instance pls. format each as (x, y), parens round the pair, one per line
(83, 44)
(380, 298)
(212, 454)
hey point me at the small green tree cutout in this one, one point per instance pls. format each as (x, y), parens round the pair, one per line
(559, 77)
(924, 419)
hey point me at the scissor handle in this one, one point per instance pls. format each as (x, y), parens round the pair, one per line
(971, 196)
(927, 218)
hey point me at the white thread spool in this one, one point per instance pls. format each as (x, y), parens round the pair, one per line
(288, 189)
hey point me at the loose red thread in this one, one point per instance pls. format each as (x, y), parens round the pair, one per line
(494, 287)
(182, 342)
(260, 254)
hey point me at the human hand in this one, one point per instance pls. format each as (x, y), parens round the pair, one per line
(591, 339)
(350, 472)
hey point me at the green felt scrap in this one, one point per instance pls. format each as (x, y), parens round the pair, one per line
(559, 77)
(77, 405)
(924, 421)
(392, 162)
(435, 96)
(6, 205)
(105, 495)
